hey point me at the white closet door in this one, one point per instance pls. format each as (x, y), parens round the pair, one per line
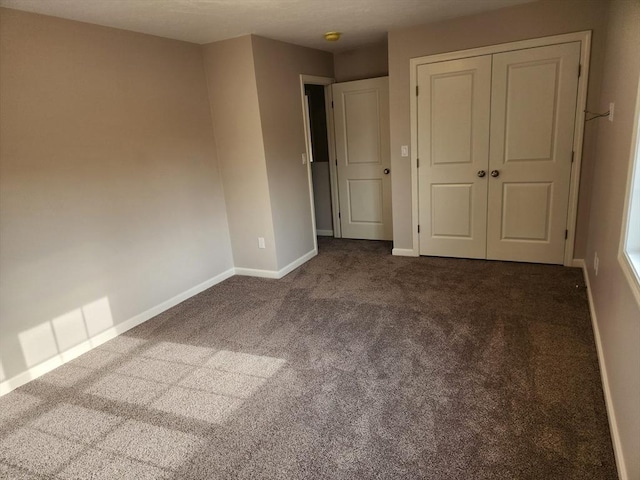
(533, 104)
(361, 117)
(453, 150)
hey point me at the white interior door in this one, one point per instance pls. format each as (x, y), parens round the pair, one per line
(361, 119)
(533, 105)
(453, 154)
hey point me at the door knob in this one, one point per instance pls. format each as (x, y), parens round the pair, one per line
(386, 171)
(495, 173)
(482, 173)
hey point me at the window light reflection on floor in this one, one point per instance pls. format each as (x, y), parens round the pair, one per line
(186, 381)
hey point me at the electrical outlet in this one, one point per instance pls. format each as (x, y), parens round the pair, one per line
(261, 242)
(304, 161)
(596, 263)
(611, 106)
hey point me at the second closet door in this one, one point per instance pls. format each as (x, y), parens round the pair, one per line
(533, 106)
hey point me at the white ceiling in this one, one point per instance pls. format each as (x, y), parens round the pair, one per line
(302, 22)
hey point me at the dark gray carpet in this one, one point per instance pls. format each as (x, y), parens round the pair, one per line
(357, 365)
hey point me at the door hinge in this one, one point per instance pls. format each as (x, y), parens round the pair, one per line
(417, 163)
(336, 162)
(331, 103)
(579, 69)
(417, 90)
(339, 215)
(418, 228)
(566, 234)
(573, 154)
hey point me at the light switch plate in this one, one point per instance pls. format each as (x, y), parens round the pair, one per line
(404, 151)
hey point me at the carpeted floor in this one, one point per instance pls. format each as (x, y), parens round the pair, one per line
(357, 365)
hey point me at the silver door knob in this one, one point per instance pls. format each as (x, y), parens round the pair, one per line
(495, 173)
(386, 171)
(482, 173)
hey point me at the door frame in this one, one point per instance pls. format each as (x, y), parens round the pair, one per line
(333, 174)
(578, 134)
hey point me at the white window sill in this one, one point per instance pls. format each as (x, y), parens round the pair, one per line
(630, 263)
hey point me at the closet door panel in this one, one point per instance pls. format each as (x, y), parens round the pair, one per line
(453, 147)
(533, 103)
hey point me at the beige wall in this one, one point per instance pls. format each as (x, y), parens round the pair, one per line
(109, 188)
(278, 67)
(233, 95)
(365, 62)
(531, 20)
(618, 314)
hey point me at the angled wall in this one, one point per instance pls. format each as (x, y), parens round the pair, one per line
(278, 66)
(233, 97)
(256, 107)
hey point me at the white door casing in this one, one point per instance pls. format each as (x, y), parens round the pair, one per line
(533, 104)
(361, 122)
(326, 82)
(453, 151)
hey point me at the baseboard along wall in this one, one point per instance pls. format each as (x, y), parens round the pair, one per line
(404, 252)
(34, 372)
(611, 414)
(252, 272)
(63, 357)
(97, 340)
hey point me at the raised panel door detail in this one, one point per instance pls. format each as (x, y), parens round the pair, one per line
(453, 145)
(533, 108)
(451, 210)
(451, 118)
(365, 201)
(531, 118)
(362, 114)
(526, 211)
(361, 126)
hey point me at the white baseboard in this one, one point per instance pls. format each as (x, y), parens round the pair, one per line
(577, 262)
(324, 233)
(296, 263)
(68, 355)
(253, 272)
(613, 424)
(404, 252)
(38, 370)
